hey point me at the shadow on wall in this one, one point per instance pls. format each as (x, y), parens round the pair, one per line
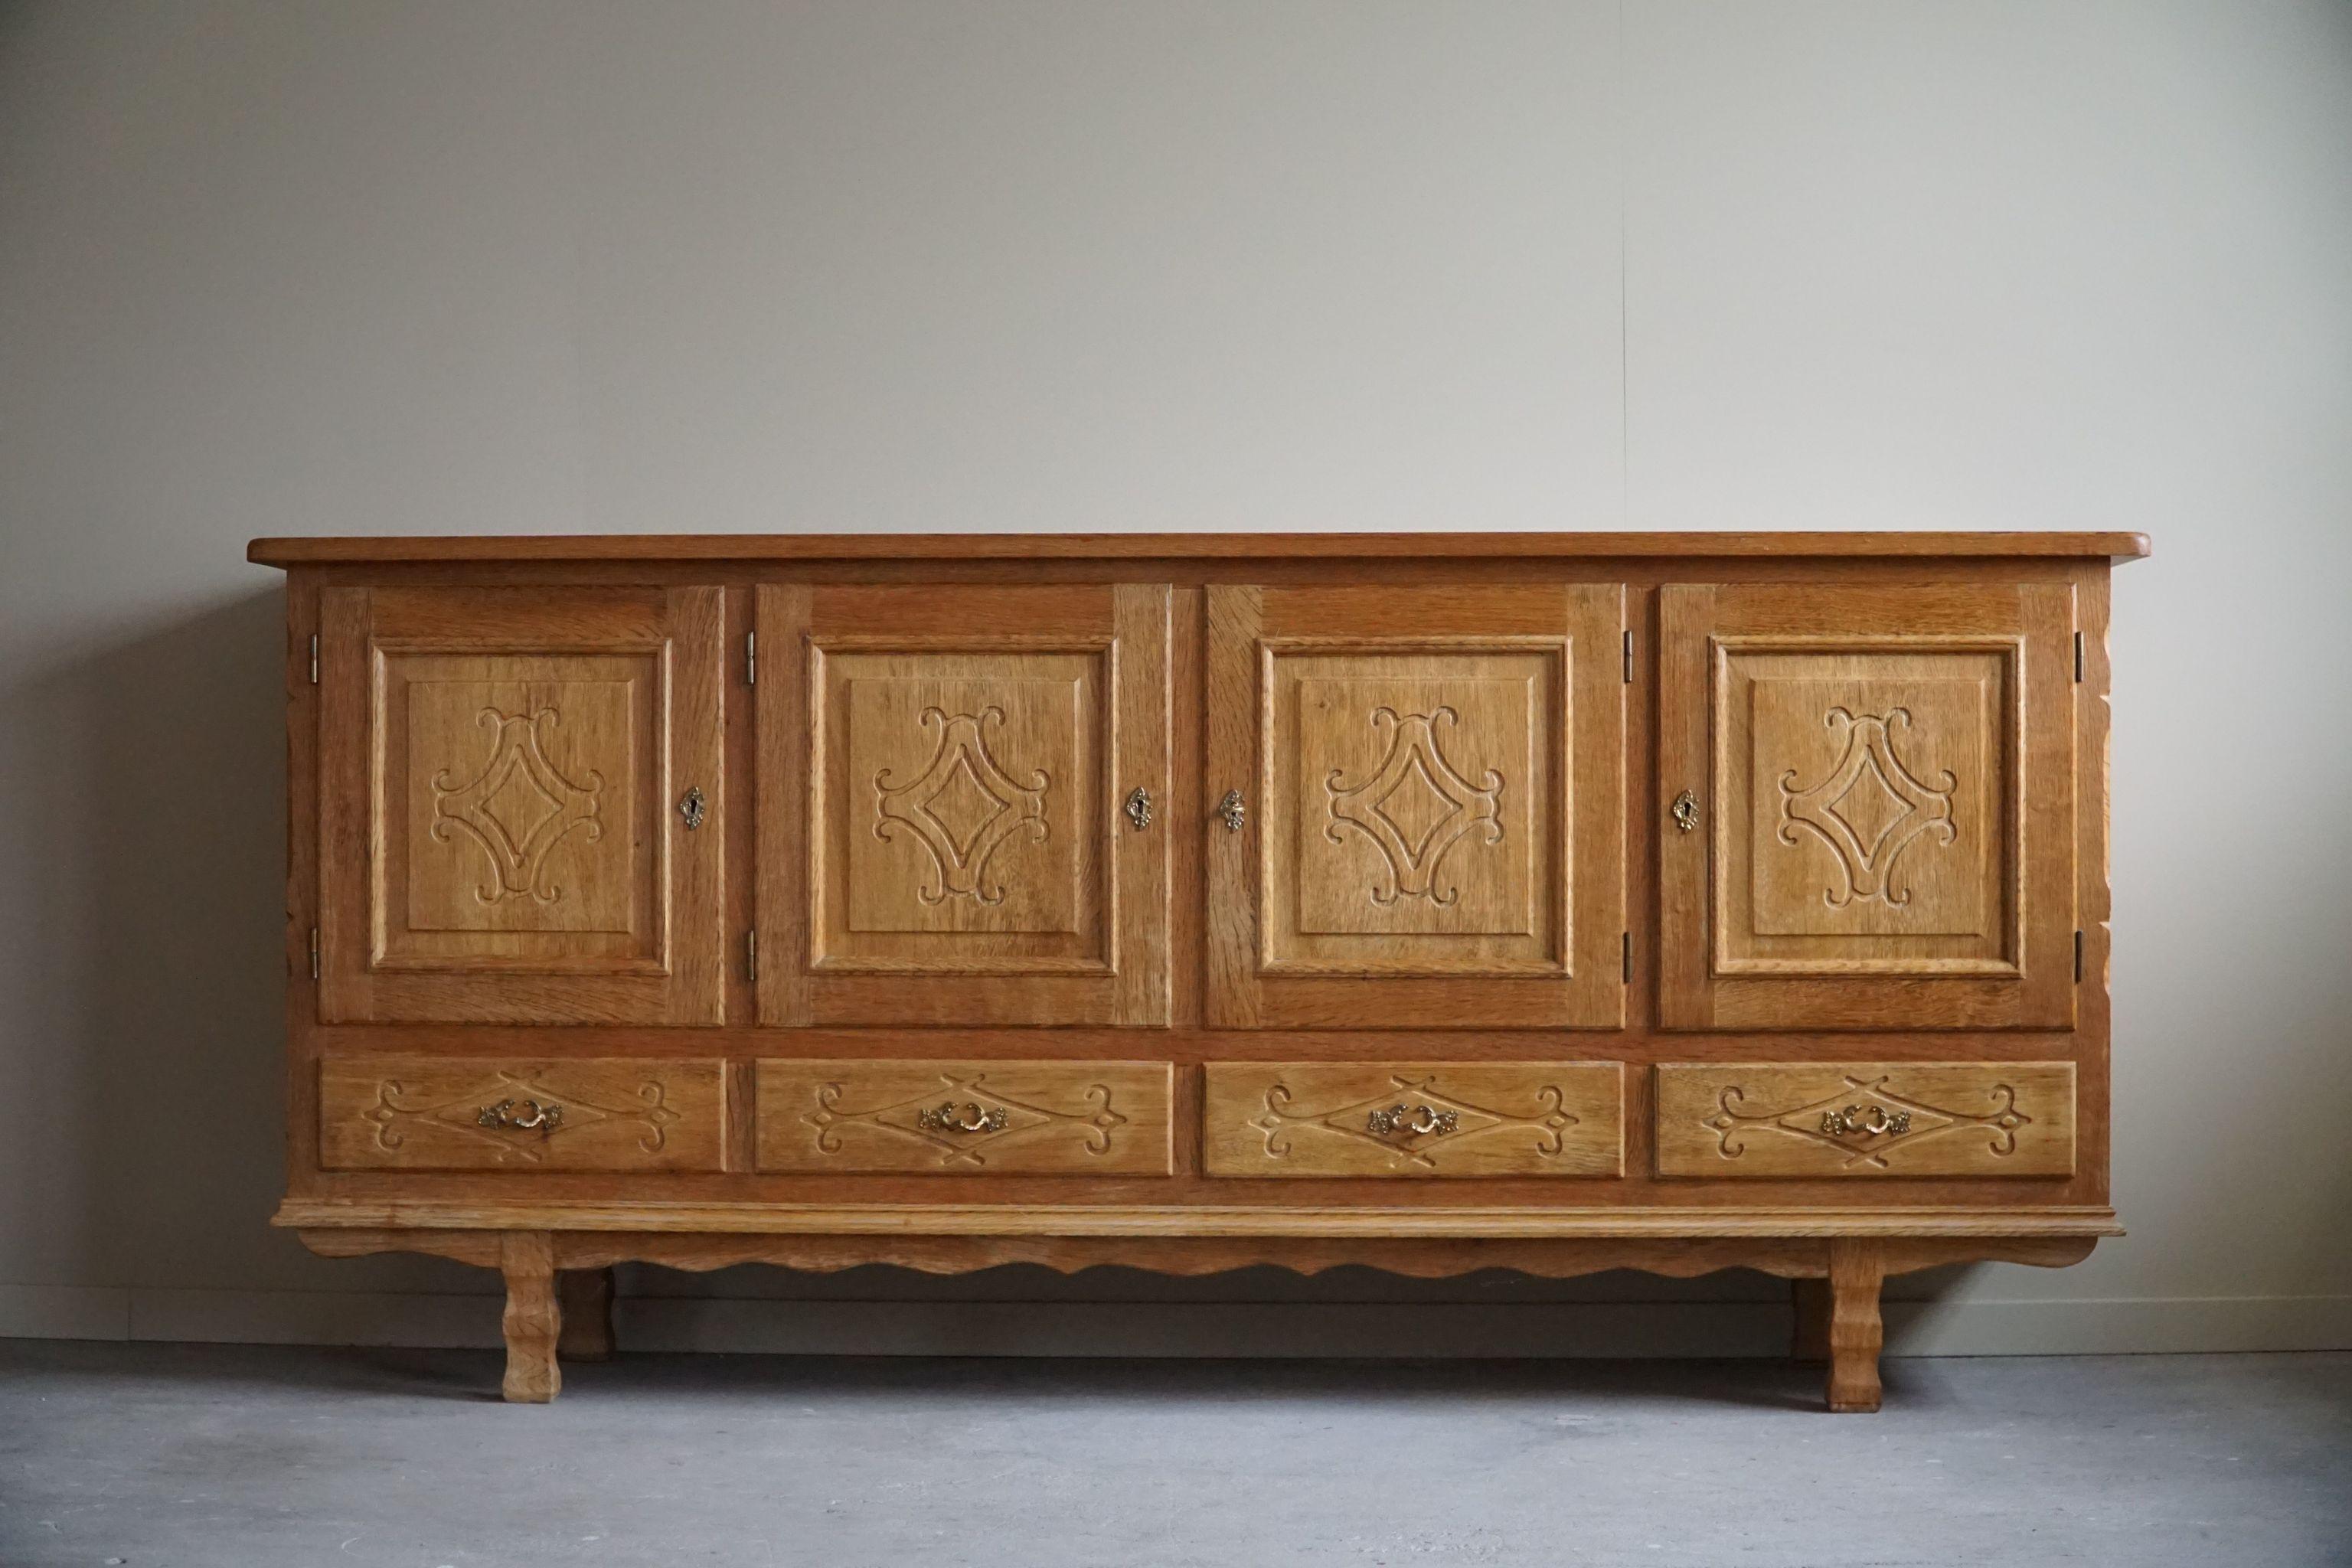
(169, 865)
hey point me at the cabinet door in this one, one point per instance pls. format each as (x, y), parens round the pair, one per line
(945, 830)
(1866, 799)
(520, 805)
(1427, 792)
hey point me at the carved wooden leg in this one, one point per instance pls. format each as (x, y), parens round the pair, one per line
(586, 1298)
(1856, 1270)
(1809, 1341)
(533, 1322)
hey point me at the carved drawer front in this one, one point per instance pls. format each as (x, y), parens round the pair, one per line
(521, 805)
(1867, 1119)
(1867, 807)
(964, 812)
(1417, 800)
(966, 1118)
(1379, 1119)
(411, 1113)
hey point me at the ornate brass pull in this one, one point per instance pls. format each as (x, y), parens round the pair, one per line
(1684, 811)
(1235, 814)
(1870, 1123)
(1139, 808)
(943, 1117)
(693, 807)
(1419, 1121)
(533, 1117)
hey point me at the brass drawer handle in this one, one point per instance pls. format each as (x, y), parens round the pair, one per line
(1686, 811)
(1139, 808)
(943, 1117)
(1419, 1121)
(1235, 814)
(533, 1117)
(693, 807)
(1870, 1123)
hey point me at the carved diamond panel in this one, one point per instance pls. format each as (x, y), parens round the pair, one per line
(517, 797)
(1866, 820)
(966, 801)
(1415, 798)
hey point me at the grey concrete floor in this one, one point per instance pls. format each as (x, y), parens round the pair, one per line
(226, 1457)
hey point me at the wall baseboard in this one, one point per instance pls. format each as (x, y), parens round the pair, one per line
(1434, 1331)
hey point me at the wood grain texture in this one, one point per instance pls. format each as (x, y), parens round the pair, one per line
(418, 1113)
(532, 1321)
(1881, 783)
(584, 1300)
(1387, 1120)
(1365, 1220)
(953, 849)
(757, 547)
(1856, 1270)
(957, 1117)
(1433, 784)
(499, 837)
(1866, 1120)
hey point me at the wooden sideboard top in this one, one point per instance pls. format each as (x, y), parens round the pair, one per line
(1184, 546)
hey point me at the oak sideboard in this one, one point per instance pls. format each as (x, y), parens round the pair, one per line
(1436, 902)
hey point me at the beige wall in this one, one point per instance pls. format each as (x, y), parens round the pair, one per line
(1272, 264)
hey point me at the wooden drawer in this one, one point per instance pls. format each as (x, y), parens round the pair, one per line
(414, 1113)
(966, 1118)
(1867, 1119)
(1383, 1118)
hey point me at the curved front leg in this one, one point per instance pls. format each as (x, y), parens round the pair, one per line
(533, 1322)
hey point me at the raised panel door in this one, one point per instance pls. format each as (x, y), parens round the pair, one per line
(944, 829)
(520, 801)
(1423, 803)
(1867, 802)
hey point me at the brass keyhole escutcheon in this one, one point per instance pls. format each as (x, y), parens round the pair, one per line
(1139, 808)
(694, 807)
(1235, 814)
(1684, 811)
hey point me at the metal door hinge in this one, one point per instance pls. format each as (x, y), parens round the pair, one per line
(2078, 958)
(1629, 657)
(751, 954)
(1625, 955)
(314, 952)
(2078, 658)
(751, 659)
(314, 658)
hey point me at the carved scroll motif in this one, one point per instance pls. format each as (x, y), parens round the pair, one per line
(1866, 1122)
(1869, 809)
(1449, 1118)
(1414, 808)
(393, 1111)
(519, 807)
(962, 807)
(973, 1118)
